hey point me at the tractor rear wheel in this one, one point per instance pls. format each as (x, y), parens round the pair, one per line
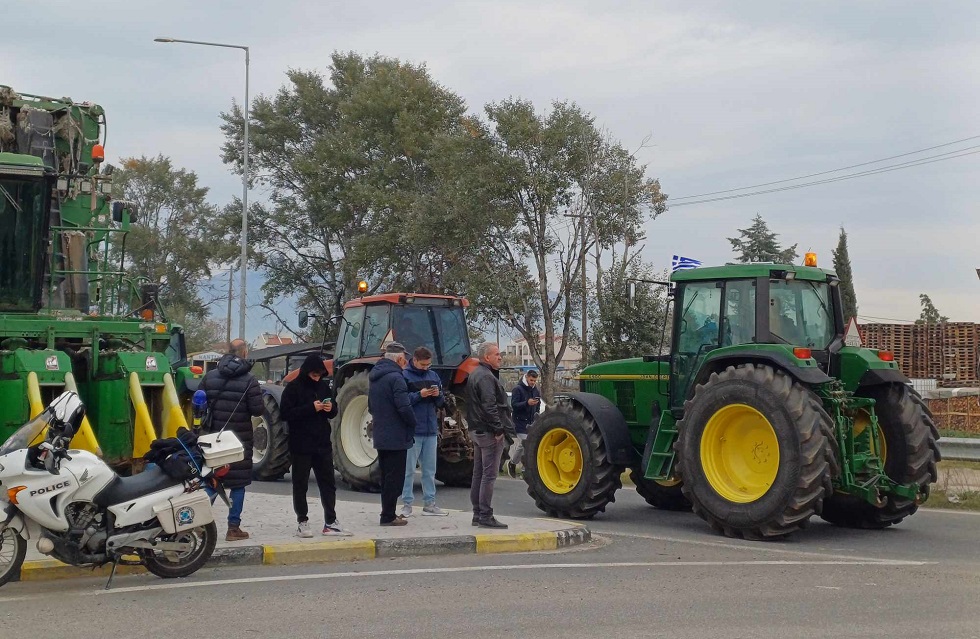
(270, 441)
(566, 467)
(909, 453)
(754, 452)
(665, 495)
(454, 465)
(352, 436)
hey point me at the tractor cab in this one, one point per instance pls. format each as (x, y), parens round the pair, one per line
(25, 194)
(784, 312)
(437, 322)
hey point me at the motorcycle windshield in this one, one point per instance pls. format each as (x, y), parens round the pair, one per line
(27, 435)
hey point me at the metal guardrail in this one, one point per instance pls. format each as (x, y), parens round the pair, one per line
(960, 448)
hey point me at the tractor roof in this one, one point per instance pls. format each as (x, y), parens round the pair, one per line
(422, 299)
(739, 271)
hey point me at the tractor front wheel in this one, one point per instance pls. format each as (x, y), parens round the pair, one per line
(754, 452)
(270, 442)
(566, 467)
(909, 451)
(352, 436)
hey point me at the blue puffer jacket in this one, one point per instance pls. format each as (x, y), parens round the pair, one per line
(391, 408)
(424, 407)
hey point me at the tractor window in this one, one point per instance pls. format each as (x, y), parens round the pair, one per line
(697, 332)
(738, 323)
(799, 313)
(22, 226)
(350, 333)
(375, 328)
(454, 339)
(413, 327)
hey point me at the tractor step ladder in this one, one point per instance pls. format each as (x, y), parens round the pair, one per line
(658, 458)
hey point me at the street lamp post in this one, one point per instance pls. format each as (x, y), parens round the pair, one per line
(244, 256)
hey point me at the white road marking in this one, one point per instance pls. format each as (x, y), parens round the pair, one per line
(764, 547)
(464, 569)
(828, 587)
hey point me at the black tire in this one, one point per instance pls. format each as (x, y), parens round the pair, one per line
(206, 537)
(659, 495)
(806, 461)
(455, 474)
(599, 479)
(911, 453)
(270, 441)
(352, 464)
(13, 549)
(454, 467)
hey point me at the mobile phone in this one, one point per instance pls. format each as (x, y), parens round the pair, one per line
(433, 387)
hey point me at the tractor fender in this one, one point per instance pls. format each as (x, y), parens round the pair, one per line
(877, 376)
(612, 426)
(809, 376)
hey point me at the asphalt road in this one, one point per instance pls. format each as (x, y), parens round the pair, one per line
(649, 574)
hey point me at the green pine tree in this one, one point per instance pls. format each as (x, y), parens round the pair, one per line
(758, 244)
(842, 265)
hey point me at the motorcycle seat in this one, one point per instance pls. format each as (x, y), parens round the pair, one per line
(123, 489)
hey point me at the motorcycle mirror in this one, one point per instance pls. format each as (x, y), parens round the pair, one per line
(199, 399)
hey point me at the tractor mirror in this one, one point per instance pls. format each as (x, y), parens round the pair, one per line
(304, 319)
(355, 330)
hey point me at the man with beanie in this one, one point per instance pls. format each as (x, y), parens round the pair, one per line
(394, 426)
(234, 398)
(307, 406)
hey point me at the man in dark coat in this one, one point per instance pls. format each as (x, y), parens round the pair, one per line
(489, 421)
(525, 400)
(307, 405)
(394, 427)
(234, 397)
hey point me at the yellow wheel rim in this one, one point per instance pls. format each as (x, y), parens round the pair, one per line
(559, 461)
(862, 421)
(740, 453)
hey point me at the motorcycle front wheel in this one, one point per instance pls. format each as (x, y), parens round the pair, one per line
(13, 548)
(170, 564)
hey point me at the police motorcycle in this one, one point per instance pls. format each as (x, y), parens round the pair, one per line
(82, 513)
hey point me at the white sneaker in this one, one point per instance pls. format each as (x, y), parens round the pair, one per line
(434, 511)
(406, 512)
(334, 530)
(303, 530)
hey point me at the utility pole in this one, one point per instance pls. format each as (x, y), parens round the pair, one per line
(231, 292)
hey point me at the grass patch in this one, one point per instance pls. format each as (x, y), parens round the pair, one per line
(945, 432)
(939, 499)
(949, 464)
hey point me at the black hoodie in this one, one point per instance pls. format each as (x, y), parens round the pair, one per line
(234, 396)
(309, 429)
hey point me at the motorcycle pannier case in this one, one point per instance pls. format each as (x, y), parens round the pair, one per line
(221, 448)
(183, 512)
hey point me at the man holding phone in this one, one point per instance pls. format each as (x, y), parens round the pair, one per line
(525, 400)
(426, 394)
(307, 405)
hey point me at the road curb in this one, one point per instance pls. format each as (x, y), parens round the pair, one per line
(339, 550)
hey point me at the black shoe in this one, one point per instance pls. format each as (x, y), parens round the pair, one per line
(476, 522)
(491, 523)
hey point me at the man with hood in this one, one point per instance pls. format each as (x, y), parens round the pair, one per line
(426, 394)
(394, 426)
(307, 405)
(234, 397)
(525, 400)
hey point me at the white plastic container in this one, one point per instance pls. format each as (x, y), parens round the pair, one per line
(183, 512)
(221, 448)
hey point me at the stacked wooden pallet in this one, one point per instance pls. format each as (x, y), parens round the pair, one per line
(947, 352)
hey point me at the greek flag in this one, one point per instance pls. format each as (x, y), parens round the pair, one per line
(680, 263)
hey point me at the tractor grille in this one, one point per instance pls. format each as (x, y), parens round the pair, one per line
(626, 399)
(590, 386)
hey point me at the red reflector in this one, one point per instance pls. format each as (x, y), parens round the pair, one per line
(802, 353)
(197, 370)
(886, 356)
(221, 472)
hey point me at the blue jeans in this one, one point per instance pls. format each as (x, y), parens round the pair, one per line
(237, 498)
(424, 454)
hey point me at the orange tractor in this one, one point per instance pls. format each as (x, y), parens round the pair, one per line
(437, 322)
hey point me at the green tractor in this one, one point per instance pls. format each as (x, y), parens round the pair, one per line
(70, 319)
(759, 418)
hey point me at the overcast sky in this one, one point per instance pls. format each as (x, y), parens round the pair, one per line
(731, 94)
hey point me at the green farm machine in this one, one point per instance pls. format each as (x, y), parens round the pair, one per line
(69, 316)
(759, 418)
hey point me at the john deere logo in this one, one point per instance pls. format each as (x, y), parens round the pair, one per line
(185, 516)
(51, 363)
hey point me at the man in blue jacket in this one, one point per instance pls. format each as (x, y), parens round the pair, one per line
(525, 400)
(394, 426)
(426, 394)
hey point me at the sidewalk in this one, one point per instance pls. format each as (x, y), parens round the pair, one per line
(270, 521)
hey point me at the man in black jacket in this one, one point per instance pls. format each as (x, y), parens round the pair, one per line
(488, 418)
(525, 399)
(394, 427)
(234, 397)
(307, 405)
